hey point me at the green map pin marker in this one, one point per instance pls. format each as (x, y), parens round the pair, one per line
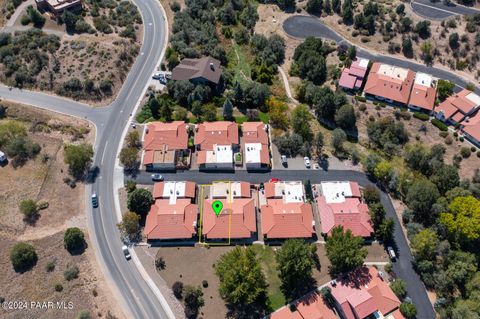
(217, 207)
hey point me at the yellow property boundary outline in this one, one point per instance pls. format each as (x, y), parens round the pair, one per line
(228, 202)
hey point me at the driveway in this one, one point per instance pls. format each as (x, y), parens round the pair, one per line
(438, 10)
(402, 267)
(301, 26)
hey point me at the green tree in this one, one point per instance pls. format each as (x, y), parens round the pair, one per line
(400, 10)
(407, 47)
(36, 17)
(84, 314)
(423, 29)
(420, 198)
(133, 139)
(385, 231)
(74, 239)
(193, 298)
(227, 109)
(347, 14)
(129, 158)
(28, 207)
(408, 309)
(399, 288)
(78, 158)
(338, 138)
(242, 282)
(446, 178)
(300, 120)
(370, 162)
(294, 265)
(209, 112)
(277, 111)
(444, 89)
(129, 226)
(383, 171)
(23, 257)
(345, 251)
(424, 245)
(318, 143)
(453, 41)
(337, 6)
(70, 20)
(345, 117)
(463, 218)
(314, 7)
(139, 201)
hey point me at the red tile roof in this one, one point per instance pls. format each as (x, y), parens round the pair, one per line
(237, 220)
(286, 220)
(158, 189)
(471, 126)
(255, 132)
(396, 89)
(353, 76)
(216, 133)
(171, 221)
(423, 97)
(310, 306)
(364, 293)
(462, 102)
(174, 135)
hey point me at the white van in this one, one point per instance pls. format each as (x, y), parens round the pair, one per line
(3, 157)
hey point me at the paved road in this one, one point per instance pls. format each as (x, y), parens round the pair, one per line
(110, 121)
(438, 10)
(403, 265)
(301, 26)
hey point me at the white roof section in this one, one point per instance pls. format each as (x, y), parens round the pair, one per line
(228, 190)
(335, 192)
(220, 154)
(362, 62)
(172, 190)
(292, 192)
(252, 152)
(423, 79)
(473, 98)
(393, 71)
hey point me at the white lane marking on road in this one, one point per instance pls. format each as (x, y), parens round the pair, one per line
(435, 8)
(103, 155)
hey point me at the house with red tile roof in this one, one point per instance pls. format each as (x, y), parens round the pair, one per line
(352, 77)
(173, 215)
(164, 144)
(310, 306)
(458, 107)
(236, 220)
(256, 145)
(470, 128)
(340, 204)
(365, 294)
(422, 97)
(389, 83)
(285, 213)
(216, 143)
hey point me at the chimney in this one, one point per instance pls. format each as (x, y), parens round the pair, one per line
(212, 67)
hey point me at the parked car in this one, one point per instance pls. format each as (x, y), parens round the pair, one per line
(274, 180)
(306, 160)
(157, 76)
(126, 252)
(157, 177)
(284, 160)
(391, 253)
(3, 157)
(94, 200)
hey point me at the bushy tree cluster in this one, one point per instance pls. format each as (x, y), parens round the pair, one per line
(269, 53)
(309, 59)
(387, 134)
(15, 142)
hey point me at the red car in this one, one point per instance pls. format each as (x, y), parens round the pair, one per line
(274, 180)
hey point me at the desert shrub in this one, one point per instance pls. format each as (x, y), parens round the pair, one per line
(28, 207)
(443, 134)
(74, 239)
(71, 272)
(160, 263)
(205, 284)
(360, 98)
(58, 287)
(421, 116)
(177, 288)
(440, 125)
(23, 257)
(465, 152)
(50, 266)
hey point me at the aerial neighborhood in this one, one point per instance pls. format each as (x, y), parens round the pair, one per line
(240, 159)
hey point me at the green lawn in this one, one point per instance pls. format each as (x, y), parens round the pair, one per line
(267, 258)
(263, 117)
(239, 64)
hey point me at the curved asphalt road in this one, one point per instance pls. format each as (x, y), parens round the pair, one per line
(110, 122)
(402, 266)
(301, 26)
(438, 10)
